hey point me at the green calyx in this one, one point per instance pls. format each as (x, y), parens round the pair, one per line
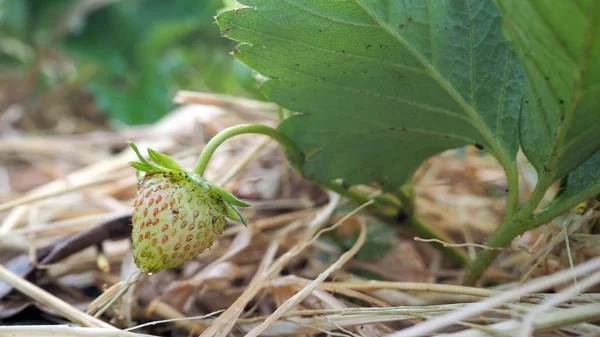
(163, 163)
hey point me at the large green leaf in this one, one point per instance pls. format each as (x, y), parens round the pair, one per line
(383, 85)
(558, 42)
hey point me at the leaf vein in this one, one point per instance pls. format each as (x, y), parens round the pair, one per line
(344, 134)
(360, 57)
(476, 120)
(373, 94)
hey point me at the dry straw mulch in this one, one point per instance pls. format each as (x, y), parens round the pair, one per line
(66, 267)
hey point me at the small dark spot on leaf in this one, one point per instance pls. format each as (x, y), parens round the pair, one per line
(547, 78)
(380, 46)
(364, 71)
(235, 11)
(329, 65)
(401, 26)
(343, 52)
(320, 30)
(526, 101)
(226, 30)
(297, 65)
(446, 28)
(409, 19)
(479, 146)
(368, 46)
(561, 101)
(506, 190)
(562, 118)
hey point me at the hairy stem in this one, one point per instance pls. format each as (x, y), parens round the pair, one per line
(290, 149)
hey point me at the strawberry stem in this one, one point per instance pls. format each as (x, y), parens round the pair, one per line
(388, 211)
(295, 156)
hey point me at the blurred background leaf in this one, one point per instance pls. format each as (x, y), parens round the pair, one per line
(129, 57)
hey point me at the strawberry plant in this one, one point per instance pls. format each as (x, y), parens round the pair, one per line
(377, 87)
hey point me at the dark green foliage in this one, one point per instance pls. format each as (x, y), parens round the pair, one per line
(140, 52)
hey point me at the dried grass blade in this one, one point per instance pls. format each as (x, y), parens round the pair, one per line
(50, 300)
(492, 302)
(305, 292)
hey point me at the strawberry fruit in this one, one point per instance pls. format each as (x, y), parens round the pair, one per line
(177, 214)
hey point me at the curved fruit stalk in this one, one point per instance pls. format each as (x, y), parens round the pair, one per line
(178, 214)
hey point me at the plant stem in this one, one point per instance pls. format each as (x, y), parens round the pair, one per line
(555, 210)
(407, 198)
(503, 236)
(383, 205)
(390, 215)
(512, 179)
(509, 229)
(290, 149)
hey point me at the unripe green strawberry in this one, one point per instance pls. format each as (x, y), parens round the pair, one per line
(177, 214)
